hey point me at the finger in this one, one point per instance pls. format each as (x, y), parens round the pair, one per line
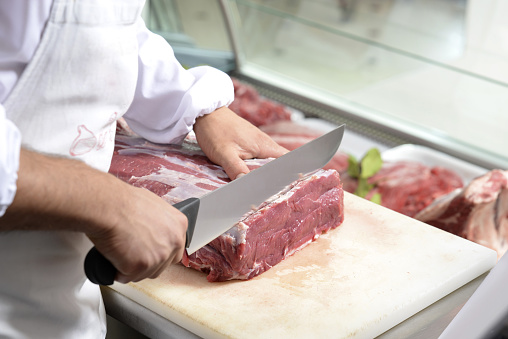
(273, 150)
(266, 147)
(123, 279)
(131, 276)
(138, 276)
(234, 166)
(144, 271)
(139, 270)
(159, 271)
(174, 258)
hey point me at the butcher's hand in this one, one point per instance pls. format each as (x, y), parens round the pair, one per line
(138, 232)
(145, 236)
(228, 139)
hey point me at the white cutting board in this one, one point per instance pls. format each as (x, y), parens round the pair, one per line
(359, 280)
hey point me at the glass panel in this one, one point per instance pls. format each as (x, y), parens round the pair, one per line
(195, 29)
(424, 29)
(437, 69)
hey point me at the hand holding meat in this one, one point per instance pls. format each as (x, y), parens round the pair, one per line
(228, 139)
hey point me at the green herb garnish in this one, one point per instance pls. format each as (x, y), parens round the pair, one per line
(370, 164)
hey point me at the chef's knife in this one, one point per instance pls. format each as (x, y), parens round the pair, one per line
(217, 211)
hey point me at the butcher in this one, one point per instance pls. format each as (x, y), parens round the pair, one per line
(69, 69)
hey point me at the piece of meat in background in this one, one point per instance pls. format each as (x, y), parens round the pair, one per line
(408, 187)
(256, 109)
(478, 212)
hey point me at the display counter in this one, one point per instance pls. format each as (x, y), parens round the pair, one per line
(430, 73)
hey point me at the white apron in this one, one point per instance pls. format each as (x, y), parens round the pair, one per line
(80, 81)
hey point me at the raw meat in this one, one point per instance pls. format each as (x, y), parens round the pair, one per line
(265, 236)
(258, 110)
(478, 212)
(174, 172)
(275, 230)
(408, 187)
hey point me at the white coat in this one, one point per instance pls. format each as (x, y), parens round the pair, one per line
(68, 70)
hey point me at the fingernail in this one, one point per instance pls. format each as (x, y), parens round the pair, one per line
(240, 175)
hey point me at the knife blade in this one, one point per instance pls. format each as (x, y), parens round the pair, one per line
(217, 211)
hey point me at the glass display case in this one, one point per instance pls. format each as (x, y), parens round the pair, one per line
(400, 71)
(428, 72)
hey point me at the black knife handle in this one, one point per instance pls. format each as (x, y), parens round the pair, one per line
(98, 269)
(190, 208)
(101, 271)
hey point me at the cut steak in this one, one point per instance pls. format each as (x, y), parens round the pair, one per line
(275, 230)
(478, 212)
(408, 187)
(269, 233)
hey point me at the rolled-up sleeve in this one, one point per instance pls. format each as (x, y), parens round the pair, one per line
(10, 143)
(169, 98)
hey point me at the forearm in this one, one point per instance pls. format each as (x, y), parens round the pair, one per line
(132, 227)
(58, 194)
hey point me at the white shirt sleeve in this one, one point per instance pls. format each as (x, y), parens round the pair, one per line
(169, 98)
(10, 144)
